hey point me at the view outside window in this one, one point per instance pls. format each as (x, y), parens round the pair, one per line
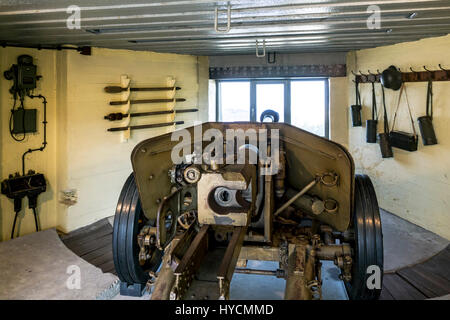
(308, 106)
(235, 101)
(307, 103)
(270, 96)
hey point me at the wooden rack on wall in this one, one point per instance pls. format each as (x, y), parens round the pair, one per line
(413, 76)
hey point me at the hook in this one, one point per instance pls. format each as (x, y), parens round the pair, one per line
(263, 54)
(440, 67)
(271, 56)
(356, 75)
(216, 20)
(415, 74)
(431, 74)
(373, 75)
(447, 72)
(366, 77)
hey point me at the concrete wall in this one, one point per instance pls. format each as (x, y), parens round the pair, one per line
(81, 154)
(98, 163)
(414, 186)
(338, 110)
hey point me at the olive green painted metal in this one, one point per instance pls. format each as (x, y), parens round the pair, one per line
(307, 156)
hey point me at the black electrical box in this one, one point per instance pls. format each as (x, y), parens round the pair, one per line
(24, 121)
(23, 73)
(19, 186)
(26, 72)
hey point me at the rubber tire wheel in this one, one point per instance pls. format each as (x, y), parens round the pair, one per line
(271, 114)
(368, 244)
(128, 220)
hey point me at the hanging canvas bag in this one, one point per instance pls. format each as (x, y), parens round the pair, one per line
(426, 122)
(385, 143)
(371, 125)
(400, 139)
(356, 108)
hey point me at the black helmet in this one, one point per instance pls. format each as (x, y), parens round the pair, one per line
(391, 78)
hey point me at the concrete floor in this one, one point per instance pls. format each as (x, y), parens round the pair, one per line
(39, 266)
(407, 244)
(46, 278)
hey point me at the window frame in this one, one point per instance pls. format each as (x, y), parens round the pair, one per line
(287, 96)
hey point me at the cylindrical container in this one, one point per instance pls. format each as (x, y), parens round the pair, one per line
(356, 115)
(371, 136)
(385, 146)
(427, 130)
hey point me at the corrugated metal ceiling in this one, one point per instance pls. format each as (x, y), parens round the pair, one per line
(187, 26)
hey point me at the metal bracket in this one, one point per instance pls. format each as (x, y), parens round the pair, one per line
(258, 55)
(216, 20)
(229, 261)
(185, 271)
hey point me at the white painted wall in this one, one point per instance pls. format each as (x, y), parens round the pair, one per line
(414, 186)
(98, 163)
(338, 110)
(81, 154)
(11, 151)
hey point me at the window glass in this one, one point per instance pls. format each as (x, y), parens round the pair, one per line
(235, 101)
(308, 106)
(307, 101)
(270, 96)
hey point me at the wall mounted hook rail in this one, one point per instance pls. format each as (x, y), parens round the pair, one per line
(373, 77)
(413, 76)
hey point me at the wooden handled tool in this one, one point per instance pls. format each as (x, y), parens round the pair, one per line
(146, 126)
(118, 89)
(118, 103)
(120, 116)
